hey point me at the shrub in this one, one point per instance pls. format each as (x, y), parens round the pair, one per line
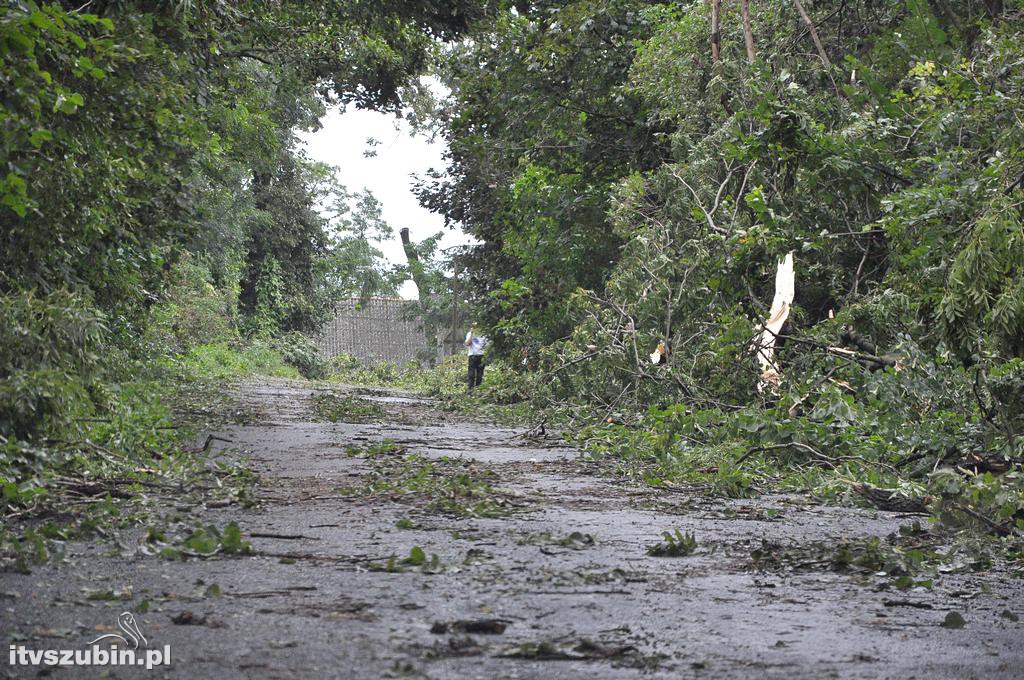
(446, 379)
(342, 366)
(300, 351)
(195, 312)
(50, 356)
(220, 361)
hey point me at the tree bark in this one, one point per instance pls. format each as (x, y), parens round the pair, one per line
(716, 36)
(748, 33)
(415, 266)
(993, 8)
(814, 33)
(944, 11)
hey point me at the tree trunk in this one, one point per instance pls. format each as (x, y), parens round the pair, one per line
(748, 33)
(814, 33)
(415, 266)
(946, 15)
(993, 8)
(716, 36)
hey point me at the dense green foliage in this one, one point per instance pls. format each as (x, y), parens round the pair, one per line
(632, 177)
(159, 222)
(629, 187)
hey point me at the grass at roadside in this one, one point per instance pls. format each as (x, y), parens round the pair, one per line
(125, 457)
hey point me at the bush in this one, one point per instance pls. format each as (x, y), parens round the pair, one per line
(446, 379)
(50, 357)
(300, 351)
(341, 367)
(220, 361)
(345, 368)
(201, 313)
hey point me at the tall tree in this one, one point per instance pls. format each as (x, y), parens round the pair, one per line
(716, 30)
(539, 126)
(748, 32)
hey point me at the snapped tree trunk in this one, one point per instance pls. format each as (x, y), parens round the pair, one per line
(415, 266)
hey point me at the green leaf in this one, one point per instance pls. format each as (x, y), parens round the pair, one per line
(40, 20)
(69, 103)
(903, 582)
(953, 620)
(20, 42)
(11, 492)
(203, 541)
(416, 557)
(232, 540)
(39, 136)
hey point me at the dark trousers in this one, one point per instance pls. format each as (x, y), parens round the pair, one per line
(476, 371)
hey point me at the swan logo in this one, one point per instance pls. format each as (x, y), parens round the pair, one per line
(126, 622)
(118, 649)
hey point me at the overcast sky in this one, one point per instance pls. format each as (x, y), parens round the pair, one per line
(342, 142)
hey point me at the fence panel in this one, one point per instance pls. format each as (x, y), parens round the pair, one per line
(373, 330)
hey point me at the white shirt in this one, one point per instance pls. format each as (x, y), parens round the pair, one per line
(476, 344)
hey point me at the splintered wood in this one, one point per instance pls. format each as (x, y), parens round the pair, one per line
(785, 283)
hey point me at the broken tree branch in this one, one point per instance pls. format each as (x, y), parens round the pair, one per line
(814, 33)
(806, 448)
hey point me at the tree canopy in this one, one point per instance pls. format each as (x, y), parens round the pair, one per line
(636, 170)
(152, 181)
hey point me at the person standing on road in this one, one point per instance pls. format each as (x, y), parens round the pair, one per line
(476, 344)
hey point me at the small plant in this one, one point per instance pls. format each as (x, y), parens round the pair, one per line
(729, 480)
(675, 544)
(417, 558)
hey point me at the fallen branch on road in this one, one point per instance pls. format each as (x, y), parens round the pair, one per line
(806, 448)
